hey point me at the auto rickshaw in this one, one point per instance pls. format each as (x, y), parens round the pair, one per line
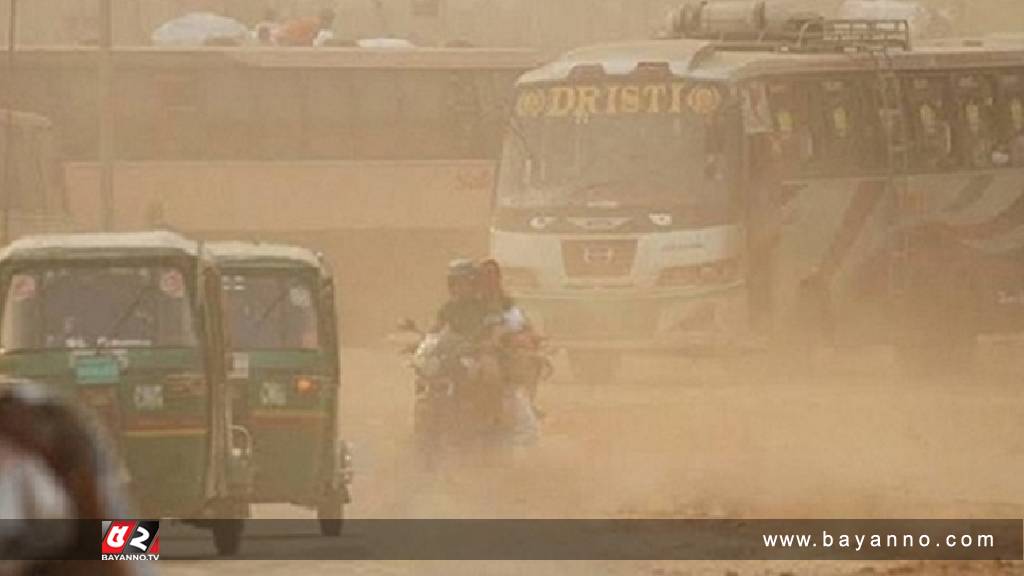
(285, 370)
(129, 326)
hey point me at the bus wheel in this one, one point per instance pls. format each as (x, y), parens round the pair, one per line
(227, 536)
(593, 367)
(331, 516)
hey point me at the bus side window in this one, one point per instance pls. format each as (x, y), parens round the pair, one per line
(931, 126)
(976, 129)
(847, 140)
(1010, 114)
(793, 143)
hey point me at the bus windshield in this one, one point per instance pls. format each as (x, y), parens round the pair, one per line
(271, 311)
(661, 149)
(97, 306)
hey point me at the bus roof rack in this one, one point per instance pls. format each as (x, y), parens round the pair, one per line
(843, 35)
(757, 25)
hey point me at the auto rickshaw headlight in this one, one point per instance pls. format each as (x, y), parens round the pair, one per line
(304, 385)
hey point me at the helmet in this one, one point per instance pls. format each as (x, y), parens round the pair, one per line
(463, 268)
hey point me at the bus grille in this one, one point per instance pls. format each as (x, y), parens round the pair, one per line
(598, 258)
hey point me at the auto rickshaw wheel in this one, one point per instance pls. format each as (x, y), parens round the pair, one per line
(227, 536)
(331, 516)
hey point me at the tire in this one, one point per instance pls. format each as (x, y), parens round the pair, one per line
(594, 367)
(227, 536)
(331, 516)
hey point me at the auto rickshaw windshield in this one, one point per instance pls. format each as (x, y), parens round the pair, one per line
(271, 311)
(73, 307)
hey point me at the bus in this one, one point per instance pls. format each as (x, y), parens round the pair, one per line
(340, 149)
(795, 180)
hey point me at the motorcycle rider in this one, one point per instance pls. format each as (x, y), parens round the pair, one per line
(464, 312)
(465, 315)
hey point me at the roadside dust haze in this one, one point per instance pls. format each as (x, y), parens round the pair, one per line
(840, 436)
(834, 435)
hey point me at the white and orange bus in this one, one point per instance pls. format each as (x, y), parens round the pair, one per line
(793, 178)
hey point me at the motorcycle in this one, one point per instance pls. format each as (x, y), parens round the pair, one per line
(458, 410)
(473, 397)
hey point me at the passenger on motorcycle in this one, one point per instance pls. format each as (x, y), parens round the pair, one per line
(517, 346)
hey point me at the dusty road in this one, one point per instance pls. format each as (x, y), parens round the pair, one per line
(825, 436)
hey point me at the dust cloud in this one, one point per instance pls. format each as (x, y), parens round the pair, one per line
(830, 433)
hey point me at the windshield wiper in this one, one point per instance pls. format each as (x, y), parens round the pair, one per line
(271, 307)
(516, 130)
(126, 314)
(581, 193)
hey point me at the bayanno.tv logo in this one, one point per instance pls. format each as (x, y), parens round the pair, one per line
(130, 540)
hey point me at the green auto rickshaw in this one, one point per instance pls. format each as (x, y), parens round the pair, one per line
(284, 367)
(129, 325)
